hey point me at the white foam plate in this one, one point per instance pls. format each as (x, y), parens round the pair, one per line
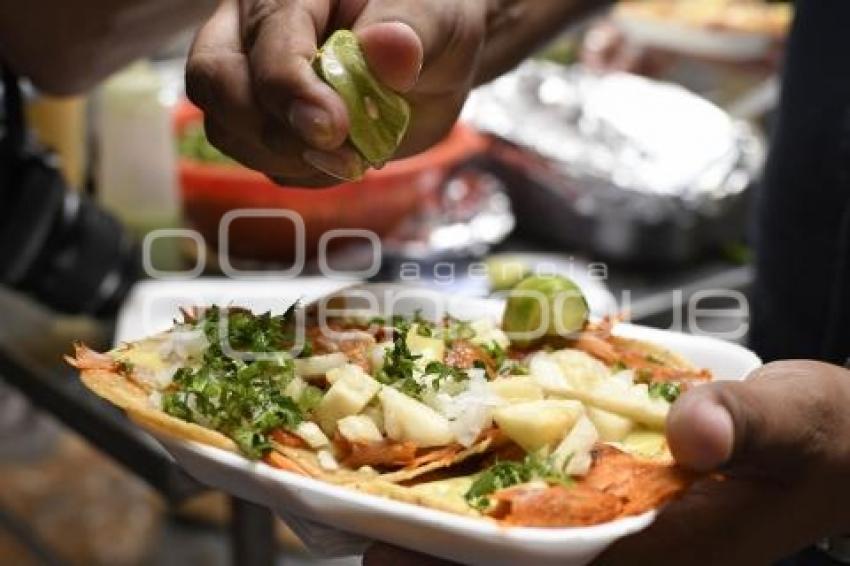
(335, 521)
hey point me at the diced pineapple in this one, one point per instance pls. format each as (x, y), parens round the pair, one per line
(548, 374)
(351, 391)
(320, 365)
(616, 396)
(376, 413)
(517, 389)
(431, 349)
(573, 454)
(632, 402)
(538, 424)
(335, 374)
(359, 428)
(310, 433)
(611, 427)
(406, 419)
(646, 444)
(581, 370)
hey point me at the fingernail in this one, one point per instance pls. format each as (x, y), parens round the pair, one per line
(312, 123)
(344, 164)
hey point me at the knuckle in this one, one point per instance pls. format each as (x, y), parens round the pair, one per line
(202, 72)
(217, 136)
(253, 18)
(274, 84)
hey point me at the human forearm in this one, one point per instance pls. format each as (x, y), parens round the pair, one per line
(517, 28)
(66, 47)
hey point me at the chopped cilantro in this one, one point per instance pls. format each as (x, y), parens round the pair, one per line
(306, 350)
(505, 474)
(243, 400)
(668, 391)
(410, 387)
(458, 330)
(496, 353)
(443, 372)
(618, 367)
(513, 367)
(247, 332)
(424, 327)
(399, 363)
(309, 398)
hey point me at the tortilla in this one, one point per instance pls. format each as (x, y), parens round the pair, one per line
(135, 401)
(618, 483)
(663, 356)
(107, 382)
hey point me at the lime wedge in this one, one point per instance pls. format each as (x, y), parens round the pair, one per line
(379, 117)
(544, 305)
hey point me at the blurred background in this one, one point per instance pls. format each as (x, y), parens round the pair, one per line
(625, 155)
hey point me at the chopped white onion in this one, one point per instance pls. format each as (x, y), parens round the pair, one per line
(181, 345)
(156, 379)
(155, 399)
(486, 333)
(471, 411)
(377, 355)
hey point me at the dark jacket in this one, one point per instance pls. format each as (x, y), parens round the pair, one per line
(802, 293)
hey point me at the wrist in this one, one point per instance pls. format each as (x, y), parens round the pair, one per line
(517, 28)
(500, 14)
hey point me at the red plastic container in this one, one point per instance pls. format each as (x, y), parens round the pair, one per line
(379, 202)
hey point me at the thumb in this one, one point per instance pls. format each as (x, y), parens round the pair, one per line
(781, 417)
(394, 52)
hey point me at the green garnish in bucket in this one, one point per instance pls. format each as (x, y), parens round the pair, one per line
(549, 305)
(379, 117)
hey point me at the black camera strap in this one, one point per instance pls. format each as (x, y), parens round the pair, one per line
(55, 245)
(13, 115)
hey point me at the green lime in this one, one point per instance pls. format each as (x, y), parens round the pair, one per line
(505, 272)
(544, 305)
(379, 117)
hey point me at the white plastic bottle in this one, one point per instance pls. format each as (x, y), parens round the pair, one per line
(137, 163)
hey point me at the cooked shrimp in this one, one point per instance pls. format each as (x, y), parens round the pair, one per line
(87, 359)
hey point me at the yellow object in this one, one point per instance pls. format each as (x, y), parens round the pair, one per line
(431, 349)
(745, 16)
(60, 124)
(538, 424)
